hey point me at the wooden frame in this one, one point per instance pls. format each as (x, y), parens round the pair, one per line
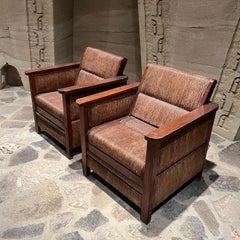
(170, 162)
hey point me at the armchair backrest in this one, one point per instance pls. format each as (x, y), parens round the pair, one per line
(97, 65)
(166, 94)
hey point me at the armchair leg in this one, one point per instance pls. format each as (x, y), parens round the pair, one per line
(37, 128)
(146, 207)
(145, 215)
(69, 153)
(86, 170)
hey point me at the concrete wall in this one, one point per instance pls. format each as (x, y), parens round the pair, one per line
(14, 45)
(201, 37)
(111, 25)
(63, 30)
(26, 35)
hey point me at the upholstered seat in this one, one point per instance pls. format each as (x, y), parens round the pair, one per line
(52, 102)
(54, 91)
(148, 139)
(123, 139)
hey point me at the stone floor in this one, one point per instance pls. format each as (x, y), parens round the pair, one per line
(43, 195)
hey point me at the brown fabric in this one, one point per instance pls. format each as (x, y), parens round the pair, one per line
(176, 87)
(154, 111)
(109, 110)
(86, 77)
(102, 64)
(123, 140)
(52, 103)
(49, 82)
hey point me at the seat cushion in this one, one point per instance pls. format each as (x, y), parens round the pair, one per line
(123, 140)
(52, 103)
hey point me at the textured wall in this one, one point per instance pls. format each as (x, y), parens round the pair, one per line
(14, 46)
(63, 30)
(111, 25)
(202, 37)
(26, 35)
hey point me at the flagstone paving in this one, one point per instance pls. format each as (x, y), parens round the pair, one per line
(44, 195)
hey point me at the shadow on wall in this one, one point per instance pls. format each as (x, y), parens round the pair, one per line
(9, 75)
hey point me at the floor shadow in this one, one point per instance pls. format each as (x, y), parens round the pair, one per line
(58, 145)
(168, 210)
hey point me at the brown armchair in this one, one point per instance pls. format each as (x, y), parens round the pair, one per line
(148, 139)
(54, 91)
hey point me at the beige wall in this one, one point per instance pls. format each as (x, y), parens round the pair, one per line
(63, 30)
(201, 37)
(111, 25)
(14, 45)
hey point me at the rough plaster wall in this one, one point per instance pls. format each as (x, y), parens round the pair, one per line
(14, 46)
(63, 30)
(41, 32)
(26, 35)
(111, 25)
(201, 37)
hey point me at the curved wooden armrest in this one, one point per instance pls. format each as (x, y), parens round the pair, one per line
(108, 94)
(92, 85)
(52, 68)
(180, 124)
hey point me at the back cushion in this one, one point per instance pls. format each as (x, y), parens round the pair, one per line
(166, 93)
(102, 64)
(84, 77)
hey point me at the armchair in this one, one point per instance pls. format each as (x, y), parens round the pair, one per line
(148, 139)
(54, 90)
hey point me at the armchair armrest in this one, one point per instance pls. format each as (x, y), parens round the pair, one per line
(93, 85)
(107, 105)
(51, 78)
(102, 96)
(180, 138)
(49, 69)
(183, 123)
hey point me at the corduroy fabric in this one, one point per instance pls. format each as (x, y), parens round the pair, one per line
(52, 102)
(86, 77)
(129, 147)
(154, 111)
(101, 63)
(176, 87)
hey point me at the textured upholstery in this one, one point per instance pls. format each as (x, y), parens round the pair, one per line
(52, 102)
(176, 87)
(150, 141)
(84, 76)
(101, 63)
(155, 111)
(123, 139)
(167, 93)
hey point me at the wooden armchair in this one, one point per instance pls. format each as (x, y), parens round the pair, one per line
(148, 139)
(54, 91)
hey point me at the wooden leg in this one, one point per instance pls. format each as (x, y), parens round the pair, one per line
(69, 152)
(145, 215)
(86, 170)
